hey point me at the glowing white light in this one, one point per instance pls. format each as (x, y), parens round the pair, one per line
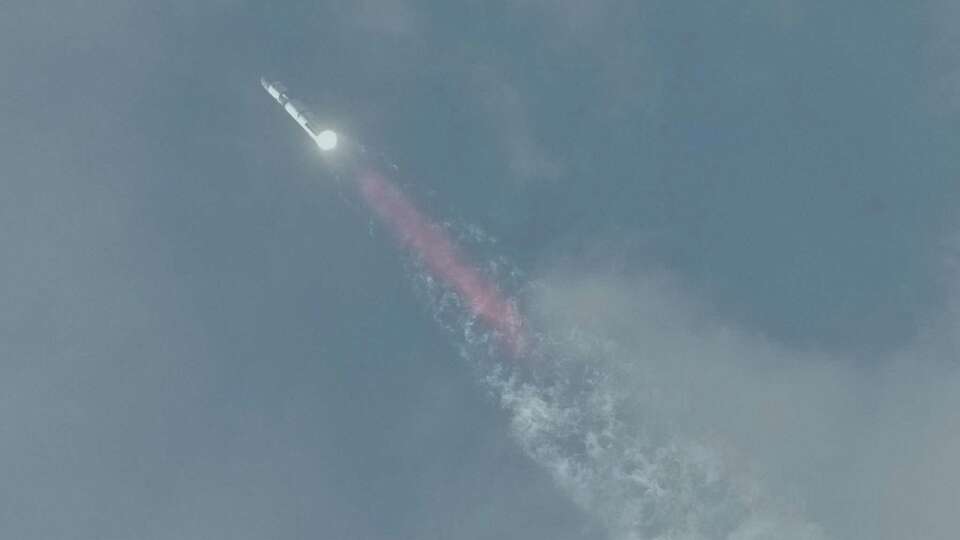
(327, 140)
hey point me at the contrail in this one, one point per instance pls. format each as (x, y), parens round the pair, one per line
(442, 258)
(575, 421)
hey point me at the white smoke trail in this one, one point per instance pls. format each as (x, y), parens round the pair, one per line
(638, 480)
(623, 464)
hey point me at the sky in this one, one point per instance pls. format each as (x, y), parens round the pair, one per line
(729, 227)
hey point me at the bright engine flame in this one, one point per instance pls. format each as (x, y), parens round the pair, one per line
(327, 140)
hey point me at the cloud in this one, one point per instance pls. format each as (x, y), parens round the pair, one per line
(943, 56)
(664, 421)
(579, 20)
(387, 17)
(507, 111)
(608, 36)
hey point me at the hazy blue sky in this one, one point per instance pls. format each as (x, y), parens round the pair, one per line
(738, 218)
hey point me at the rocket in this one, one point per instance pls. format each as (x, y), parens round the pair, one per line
(325, 139)
(413, 229)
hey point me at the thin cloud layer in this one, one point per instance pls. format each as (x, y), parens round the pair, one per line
(680, 425)
(201, 340)
(509, 119)
(389, 17)
(943, 55)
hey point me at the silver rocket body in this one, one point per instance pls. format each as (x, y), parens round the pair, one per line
(326, 139)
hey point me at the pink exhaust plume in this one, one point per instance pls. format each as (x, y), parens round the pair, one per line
(443, 259)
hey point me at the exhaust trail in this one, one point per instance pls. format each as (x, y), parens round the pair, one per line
(574, 415)
(442, 258)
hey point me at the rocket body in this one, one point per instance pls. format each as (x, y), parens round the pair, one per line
(325, 139)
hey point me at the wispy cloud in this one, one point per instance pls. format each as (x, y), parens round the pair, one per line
(943, 55)
(679, 424)
(508, 111)
(387, 17)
